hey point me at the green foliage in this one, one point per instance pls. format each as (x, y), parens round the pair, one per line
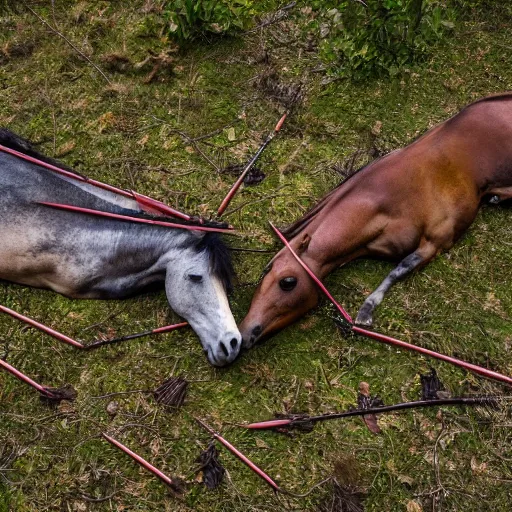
(189, 19)
(380, 37)
(467, 8)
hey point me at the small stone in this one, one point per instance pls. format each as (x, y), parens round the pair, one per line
(112, 408)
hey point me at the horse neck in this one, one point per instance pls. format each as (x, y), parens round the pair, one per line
(158, 247)
(115, 200)
(341, 229)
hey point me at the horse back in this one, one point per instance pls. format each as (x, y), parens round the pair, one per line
(463, 158)
(429, 191)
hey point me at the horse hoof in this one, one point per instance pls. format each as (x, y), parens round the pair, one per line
(364, 318)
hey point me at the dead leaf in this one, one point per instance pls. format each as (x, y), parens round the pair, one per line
(476, 468)
(377, 127)
(492, 303)
(65, 148)
(231, 134)
(75, 316)
(371, 423)
(66, 407)
(212, 472)
(105, 121)
(427, 428)
(414, 506)
(155, 446)
(431, 386)
(364, 388)
(112, 408)
(308, 384)
(365, 401)
(143, 141)
(261, 444)
(405, 479)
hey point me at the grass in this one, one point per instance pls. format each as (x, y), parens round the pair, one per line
(127, 133)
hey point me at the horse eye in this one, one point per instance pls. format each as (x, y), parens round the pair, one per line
(288, 283)
(195, 278)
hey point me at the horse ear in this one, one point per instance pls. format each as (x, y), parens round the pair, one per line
(304, 243)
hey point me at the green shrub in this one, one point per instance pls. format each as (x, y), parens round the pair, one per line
(380, 37)
(189, 19)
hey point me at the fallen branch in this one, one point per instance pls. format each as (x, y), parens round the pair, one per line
(275, 17)
(191, 141)
(256, 201)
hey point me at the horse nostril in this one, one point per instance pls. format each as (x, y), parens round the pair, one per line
(233, 343)
(257, 330)
(224, 349)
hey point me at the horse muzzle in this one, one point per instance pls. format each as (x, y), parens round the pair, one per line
(226, 350)
(253, 333)
(252, 336)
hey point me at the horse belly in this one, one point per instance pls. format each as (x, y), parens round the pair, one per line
(34, 270)
(400, 238)
(30, 258)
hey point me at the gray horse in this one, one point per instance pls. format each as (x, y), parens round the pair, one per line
(88, 257)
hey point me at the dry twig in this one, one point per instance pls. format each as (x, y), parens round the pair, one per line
(62, 36)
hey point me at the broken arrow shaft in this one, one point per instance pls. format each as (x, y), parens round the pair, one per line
(26, 379)
(111, 341)
(48, 330)
(144, 463)
(248, 167)
(290, 422)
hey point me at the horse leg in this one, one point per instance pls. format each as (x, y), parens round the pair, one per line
(418, 258)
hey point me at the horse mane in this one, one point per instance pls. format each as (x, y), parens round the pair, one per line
(221, 264)
(13, 141)
(295, 228)
(492, 97)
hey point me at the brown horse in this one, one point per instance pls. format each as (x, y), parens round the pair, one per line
(407, 206)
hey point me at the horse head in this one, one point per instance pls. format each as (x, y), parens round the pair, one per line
(196, 287)
(284, 294)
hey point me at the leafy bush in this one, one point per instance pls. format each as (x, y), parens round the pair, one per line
(189, 19)
(361, 39)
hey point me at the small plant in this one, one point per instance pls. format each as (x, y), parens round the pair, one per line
(363, 39)
(189, 19)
